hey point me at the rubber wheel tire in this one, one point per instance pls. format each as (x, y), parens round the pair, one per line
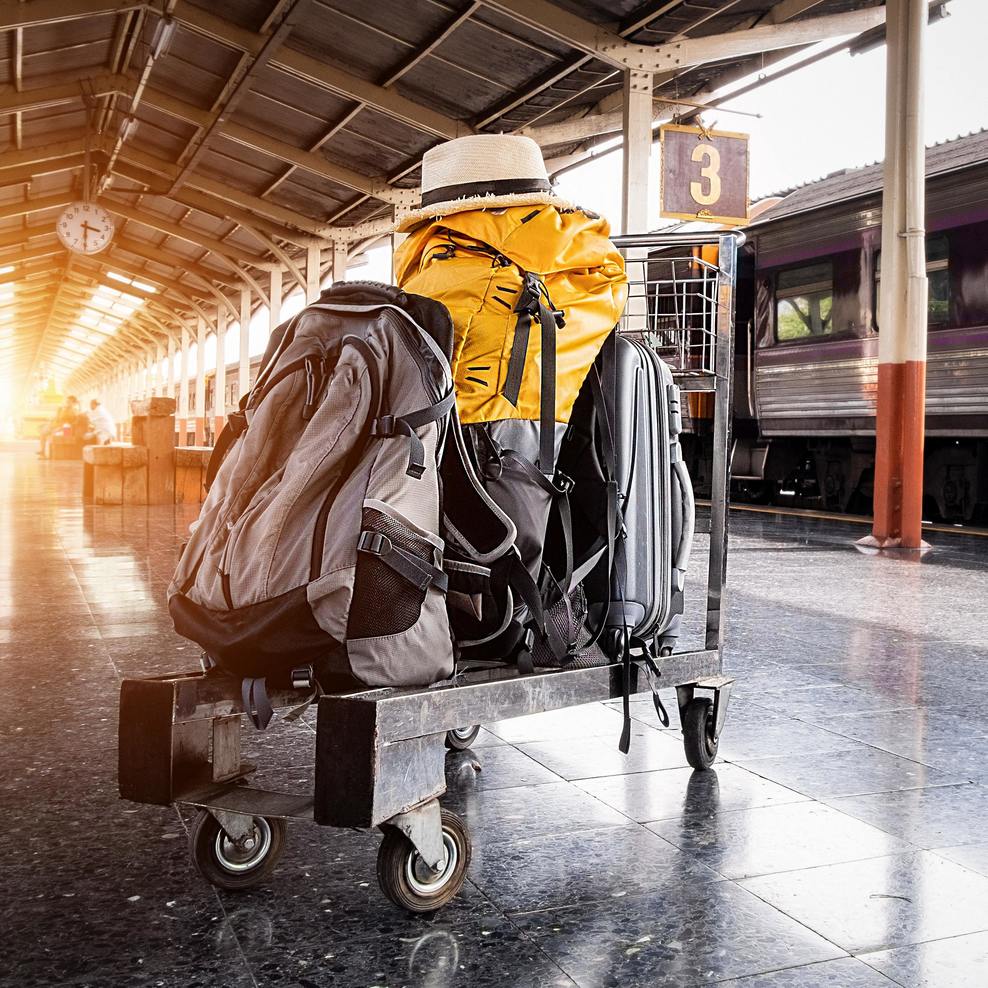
(462, 738)
(399, 868)
(227, 867)
(698, 733)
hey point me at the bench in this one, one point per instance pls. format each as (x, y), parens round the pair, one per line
(152, 425)
(114, 474)
(190, 473)
(64, 448)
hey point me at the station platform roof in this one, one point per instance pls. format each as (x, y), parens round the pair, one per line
(228, 136)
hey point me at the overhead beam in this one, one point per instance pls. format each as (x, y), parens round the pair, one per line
(12, 101)
(571, 29)
(754, 41)
(223, 209)
(320, 74)
(184, 232)
(220, 190)
(15, 13)
(788, 9)
(26, 173)
(606, 44)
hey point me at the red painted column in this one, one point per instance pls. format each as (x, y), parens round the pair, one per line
(901, 407)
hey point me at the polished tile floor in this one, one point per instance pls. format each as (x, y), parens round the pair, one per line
(842, 839)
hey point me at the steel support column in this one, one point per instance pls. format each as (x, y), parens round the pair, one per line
(183, 388)
(170, 369)
(637, 129)
(200, 381)
(243, 384)
(313, 260)
(219, 378)
(274, 311)
(900, 419)
(339, 257)
(635, 184)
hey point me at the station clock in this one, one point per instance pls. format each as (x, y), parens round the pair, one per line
(85, 227)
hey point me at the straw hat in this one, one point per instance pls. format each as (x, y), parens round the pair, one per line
(482, 171)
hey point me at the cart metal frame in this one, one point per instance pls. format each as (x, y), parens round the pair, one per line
(380, 753)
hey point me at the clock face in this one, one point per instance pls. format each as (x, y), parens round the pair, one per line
(85, 227)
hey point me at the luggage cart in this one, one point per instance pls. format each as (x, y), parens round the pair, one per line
(380, 753)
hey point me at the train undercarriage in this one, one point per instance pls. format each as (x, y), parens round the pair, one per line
(836, 473)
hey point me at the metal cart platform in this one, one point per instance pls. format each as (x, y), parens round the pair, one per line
(380, 753)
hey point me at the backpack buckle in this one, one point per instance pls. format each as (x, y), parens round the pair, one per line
(383, 426)
(563, 482)
(376, 543)
(302, 678)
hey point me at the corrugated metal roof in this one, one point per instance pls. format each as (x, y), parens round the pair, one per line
(217, 146)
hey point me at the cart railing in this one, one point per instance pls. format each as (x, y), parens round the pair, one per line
(681, 300)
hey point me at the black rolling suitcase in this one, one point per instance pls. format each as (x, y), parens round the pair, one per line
(655, 496)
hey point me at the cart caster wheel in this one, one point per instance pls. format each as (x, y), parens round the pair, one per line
(236, 865)
(461, 738)
(406, 879)
(698, 733)
(614, 642)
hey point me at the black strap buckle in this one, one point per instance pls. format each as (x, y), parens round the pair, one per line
(375, 543)
(563, 482)
(302, 678)
(383, 426)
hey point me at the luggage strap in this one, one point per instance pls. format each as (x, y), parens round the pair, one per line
(257, 704)
(235, 427)
(534, 301)
(389, 426)
(415, 570)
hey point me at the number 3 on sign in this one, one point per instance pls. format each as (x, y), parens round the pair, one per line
(706, 191)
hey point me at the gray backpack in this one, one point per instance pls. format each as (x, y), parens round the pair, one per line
(318, 554)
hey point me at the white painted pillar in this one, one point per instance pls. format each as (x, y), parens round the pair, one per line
(170, 369)
(160, 377)
(635, 186)
(339, 261)
(637, 130)
(243, 382)
(219, 379)
(200, 381)
(274, 313)
(183, 388)
(313, 259)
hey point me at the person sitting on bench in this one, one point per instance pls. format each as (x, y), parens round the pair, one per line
(101, 430)
(66, 418)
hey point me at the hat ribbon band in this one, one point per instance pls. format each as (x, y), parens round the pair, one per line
(500, 187)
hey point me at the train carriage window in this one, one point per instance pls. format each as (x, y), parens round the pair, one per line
(938, 279)
(804, 299)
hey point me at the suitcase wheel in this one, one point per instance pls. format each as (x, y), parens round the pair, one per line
(461, 738)
(235, 865)
(698, 733)
(406, 879)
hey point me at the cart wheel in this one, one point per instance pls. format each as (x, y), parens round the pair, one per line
(406, 879)
(698, 733)
(236, 865)
(461, 738)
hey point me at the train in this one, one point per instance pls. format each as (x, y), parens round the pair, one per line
(807, 327)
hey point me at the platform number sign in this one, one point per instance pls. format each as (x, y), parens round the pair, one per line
(704, 175)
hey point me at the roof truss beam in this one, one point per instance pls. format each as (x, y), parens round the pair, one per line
(15, 13)
(320, 74)
(606, 44)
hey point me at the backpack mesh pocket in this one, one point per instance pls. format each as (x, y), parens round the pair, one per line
(384, 601)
